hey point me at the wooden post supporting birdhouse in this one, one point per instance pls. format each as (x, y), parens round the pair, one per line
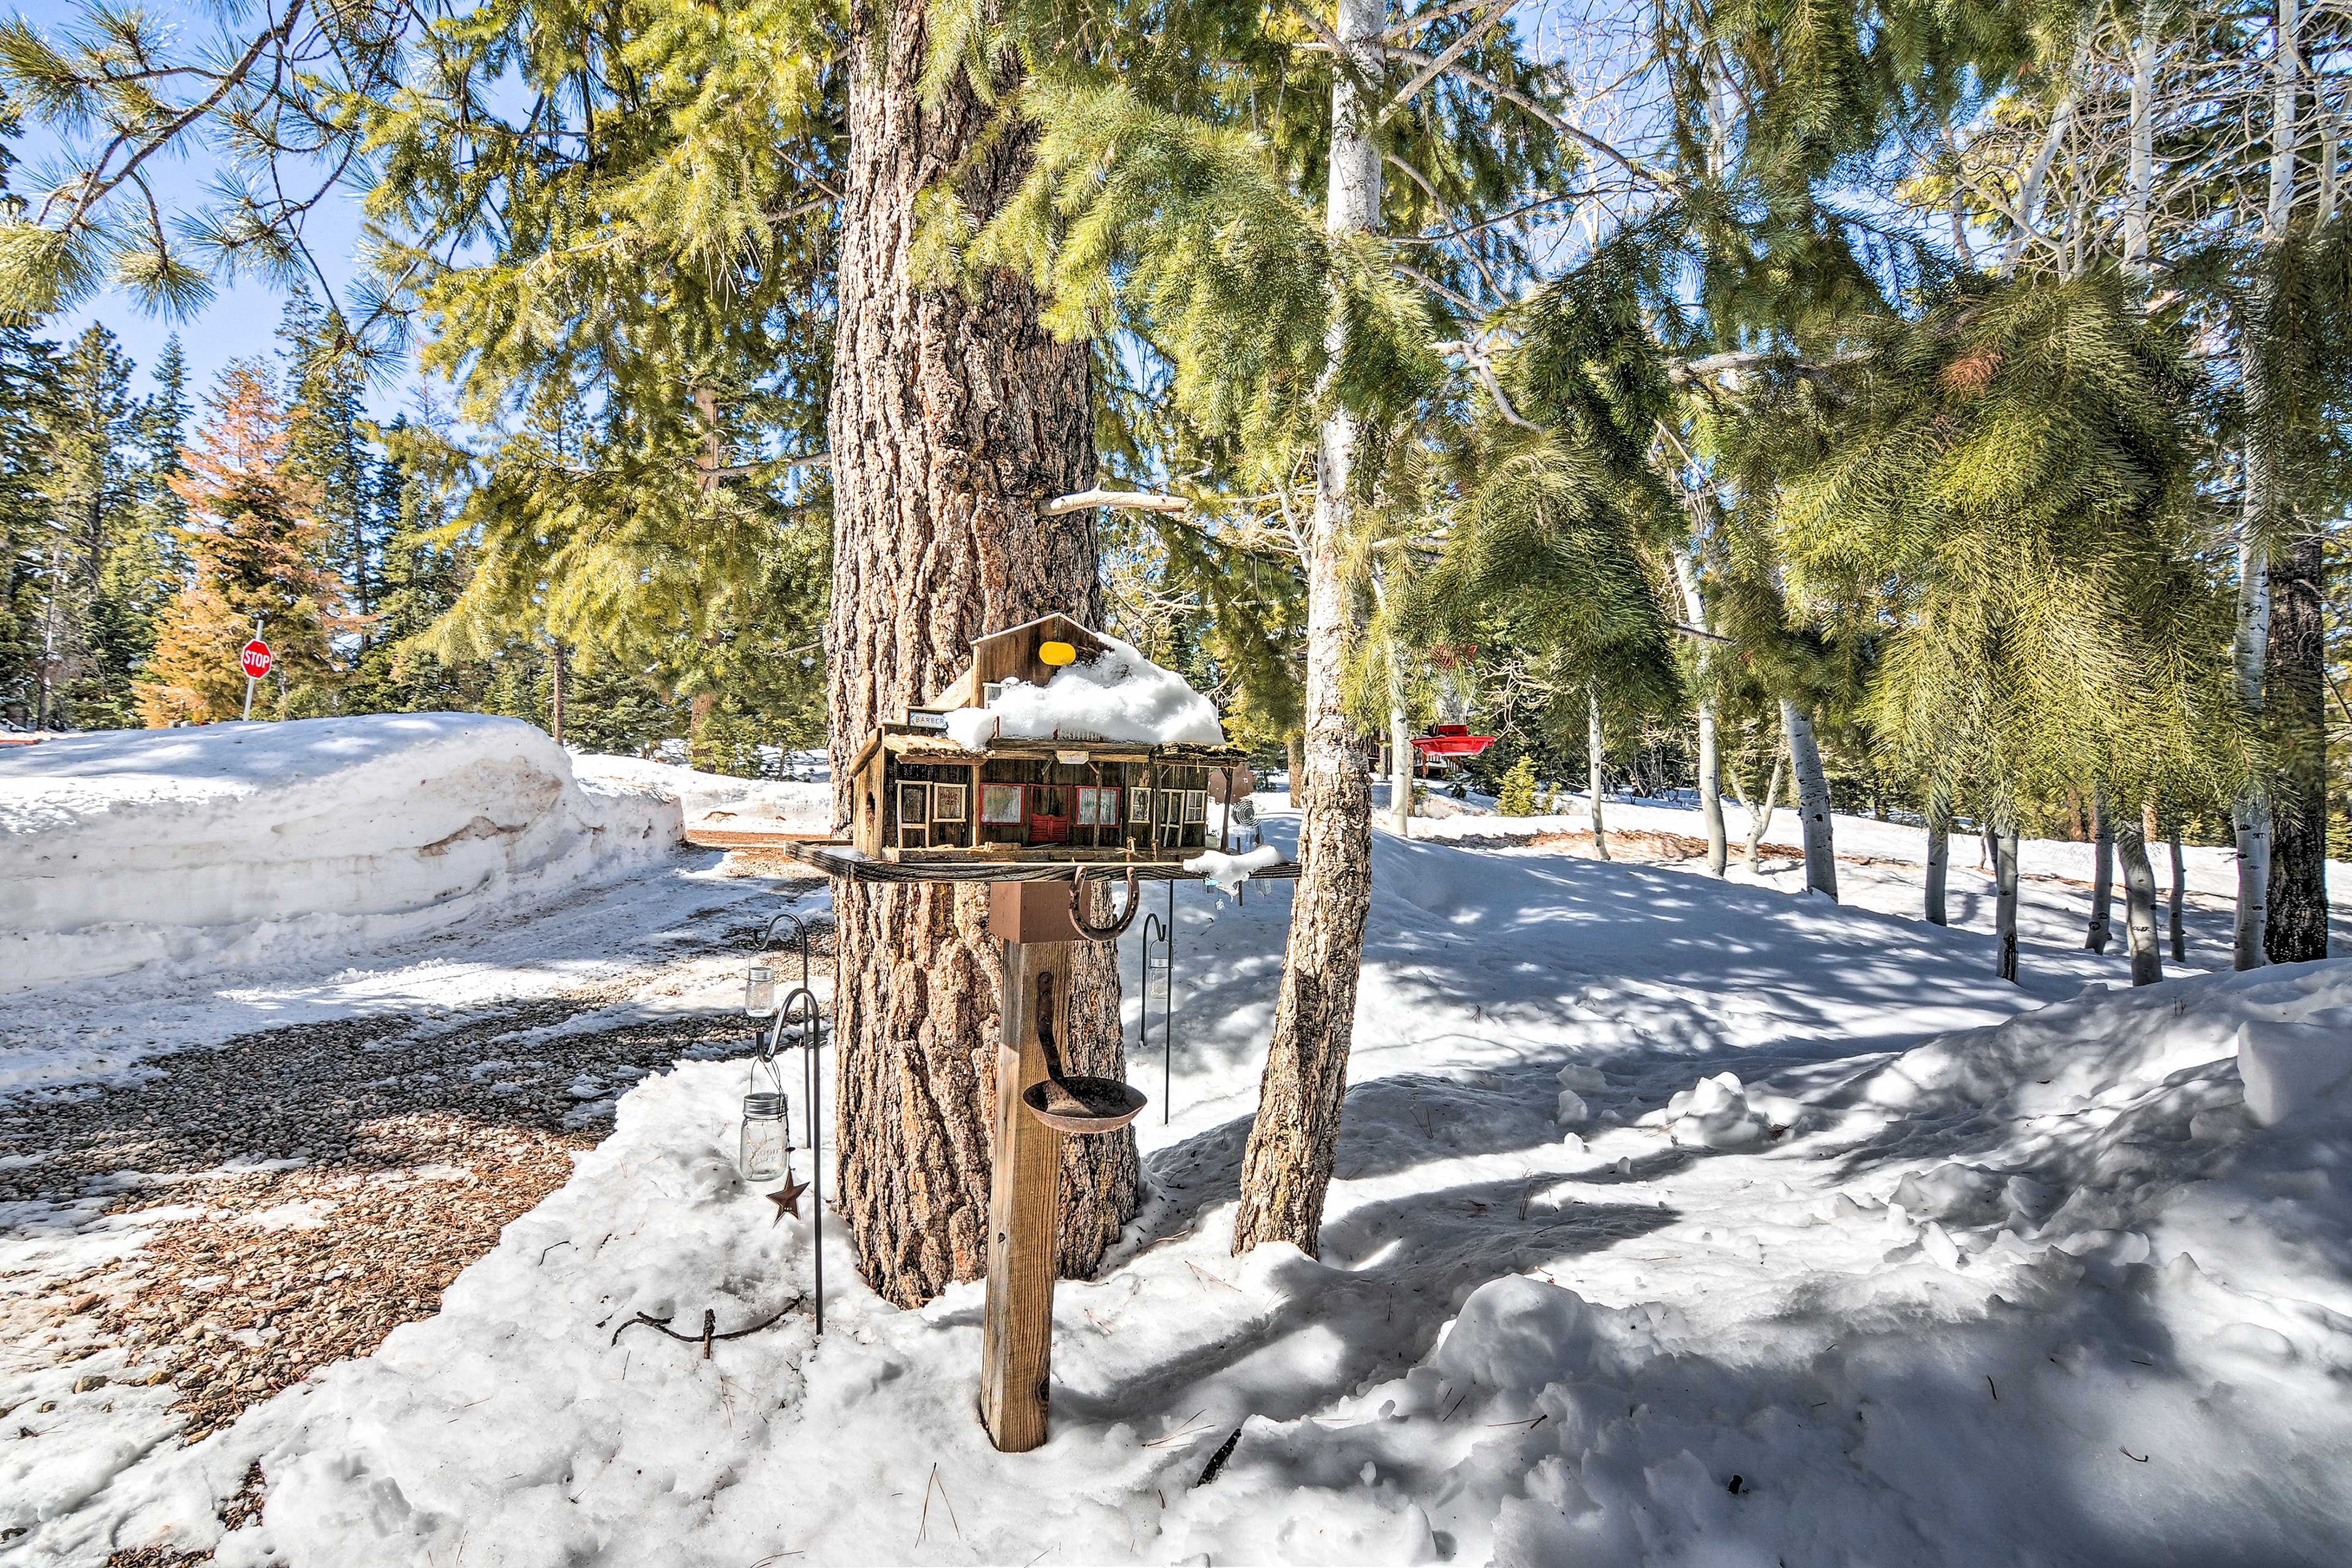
(1033, 814)
(1016, 1346)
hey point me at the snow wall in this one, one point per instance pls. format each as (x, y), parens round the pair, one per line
(231, 844)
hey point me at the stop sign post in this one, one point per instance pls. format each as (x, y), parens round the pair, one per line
(254, 660)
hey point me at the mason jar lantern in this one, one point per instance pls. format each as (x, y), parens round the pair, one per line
(759, 992)
(765, 1155)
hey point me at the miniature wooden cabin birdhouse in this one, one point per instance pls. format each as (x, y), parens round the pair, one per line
(1056, 745)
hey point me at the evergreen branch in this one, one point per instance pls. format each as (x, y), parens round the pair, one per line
(95, 190)
(1451, 52)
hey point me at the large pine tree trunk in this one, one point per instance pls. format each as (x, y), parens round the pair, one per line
(1813, 799)
(2296, 923)
(953, 421)
(1286, 1168)
(2103, 875)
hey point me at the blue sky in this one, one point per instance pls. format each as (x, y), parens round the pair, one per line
(240, 322)
(241, 319)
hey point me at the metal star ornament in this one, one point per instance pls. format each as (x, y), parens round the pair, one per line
(787, 1199)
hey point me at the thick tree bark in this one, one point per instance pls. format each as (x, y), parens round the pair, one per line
(953, 420)
(2294, 699)
(1813, 799)
(2103, 875)
(1287, 1167)
(1594, 778)
(2004, 876)
(2139, 902)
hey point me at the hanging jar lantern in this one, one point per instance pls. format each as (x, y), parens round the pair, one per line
(764, 1154)
(759, 992)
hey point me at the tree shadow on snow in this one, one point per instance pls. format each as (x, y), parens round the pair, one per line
(1392, 1273)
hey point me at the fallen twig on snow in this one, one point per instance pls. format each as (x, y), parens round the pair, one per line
(709, 1334)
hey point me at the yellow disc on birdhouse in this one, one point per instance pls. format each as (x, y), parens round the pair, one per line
(1058, 653)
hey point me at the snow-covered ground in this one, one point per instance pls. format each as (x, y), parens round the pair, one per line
(1945, 1271)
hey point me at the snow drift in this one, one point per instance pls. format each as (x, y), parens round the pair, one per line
(717, 800)
(232, 842)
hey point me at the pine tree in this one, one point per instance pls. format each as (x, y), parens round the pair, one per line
(103, 569)
(326, 445)
(28, 542)
(2003, 500)
(256, 555)
(1517, 796)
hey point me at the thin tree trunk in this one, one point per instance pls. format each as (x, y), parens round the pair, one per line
(556, 689)
(1711, 757)
(1287, 1167)
(953, 418)
(2139, 902)
(2142, 177)
(1594, 778)
(2296, 920)
(1400, 755)
(2005, 902)
(2103, 874)
(2251, 813)
(1813, 800)
(2029, 190)
(41, 705)
(1296, 766)
(1939, 851)
(2179, 896)
(1760, 818)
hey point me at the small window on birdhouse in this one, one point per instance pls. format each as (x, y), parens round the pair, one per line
(1098, 808)
(947, 803)
(1138, 805)
(914, 803)
(1196, 806)
(1001, 803)
(990, 692)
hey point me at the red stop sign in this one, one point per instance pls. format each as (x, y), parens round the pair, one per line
(254, 658)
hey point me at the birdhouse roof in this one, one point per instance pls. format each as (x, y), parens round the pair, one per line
(1012, 655)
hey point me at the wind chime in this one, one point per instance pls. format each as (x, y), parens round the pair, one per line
(764, 1149)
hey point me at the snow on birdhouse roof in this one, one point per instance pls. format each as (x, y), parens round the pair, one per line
(1115, 695)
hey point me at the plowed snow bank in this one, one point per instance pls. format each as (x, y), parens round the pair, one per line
(230, 842)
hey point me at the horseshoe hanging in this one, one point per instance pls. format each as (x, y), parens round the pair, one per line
(1111, 932)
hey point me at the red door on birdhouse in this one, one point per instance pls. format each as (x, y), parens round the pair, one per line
(1049, 814)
